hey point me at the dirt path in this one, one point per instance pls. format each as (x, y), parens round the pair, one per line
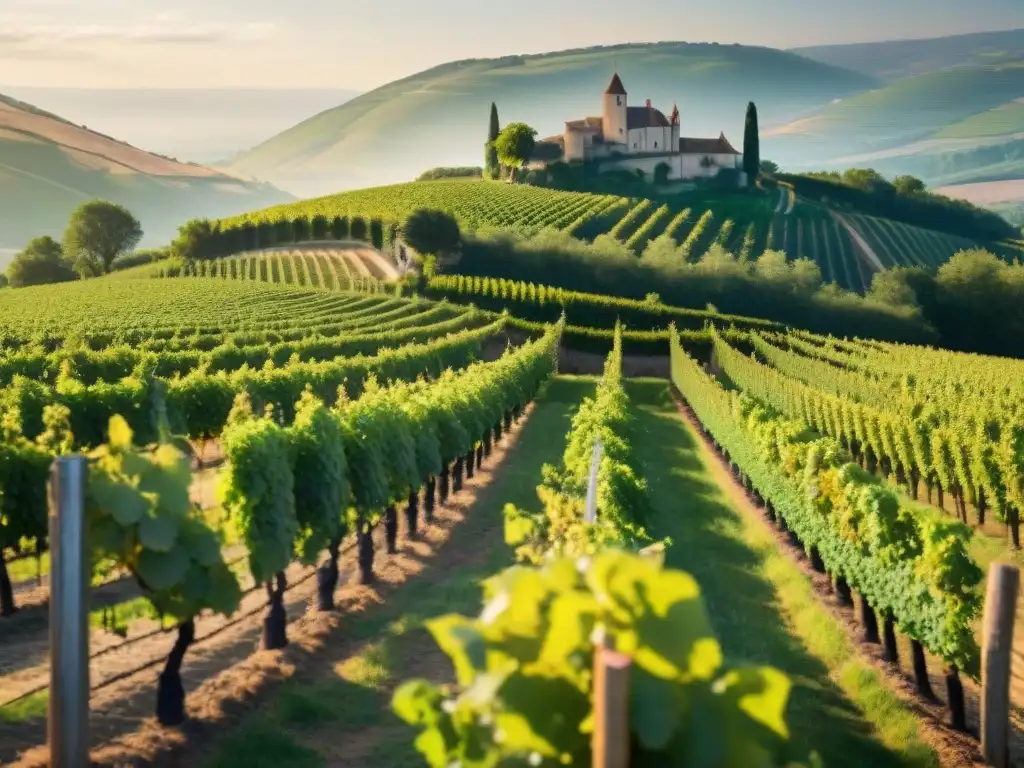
(862, 245)
(353, 682)
(228, 675)
(956, 750)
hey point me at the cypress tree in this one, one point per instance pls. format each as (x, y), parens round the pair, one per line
(751, 145)
(491, 168)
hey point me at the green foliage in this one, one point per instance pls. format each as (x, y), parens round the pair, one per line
(97, 233)
(514, 145)
(905, 564)
(451, 172)
(320, 477)
(39, 263)
(140, 517)
(431, 232)
(258, 493)
(524, 688)
(751, 145)
(492, 167)
(621, 494)
(196, 240)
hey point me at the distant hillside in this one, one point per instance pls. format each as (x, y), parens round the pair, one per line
(205, 125)
(848, 246)
(439, 117)
(949, 126)
(894, 59)
(48, 166)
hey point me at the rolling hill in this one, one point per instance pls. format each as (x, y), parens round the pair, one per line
(848, 247)
(49, 165)
(945, 110)
(439, 116)
(893, 59)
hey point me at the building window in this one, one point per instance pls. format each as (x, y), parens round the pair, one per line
(655, 145)
(618, 101)
(620, 131)
(634, 145)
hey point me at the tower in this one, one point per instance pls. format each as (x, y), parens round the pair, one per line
(613, 121)
(674, 122)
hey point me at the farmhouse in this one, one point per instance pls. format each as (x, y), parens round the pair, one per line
(638, 138)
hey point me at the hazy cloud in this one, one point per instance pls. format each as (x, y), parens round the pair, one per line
(164, 30)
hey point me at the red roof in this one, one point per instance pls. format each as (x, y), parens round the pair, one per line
(645, 117)
(616, 86)
(719, 146)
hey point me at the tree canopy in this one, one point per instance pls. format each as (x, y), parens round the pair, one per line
(41, 261)
(492, 169)
(751, 145)
(98, 233)
(431, 232)
(515, 144)
(195, 240)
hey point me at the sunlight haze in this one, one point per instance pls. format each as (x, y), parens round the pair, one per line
(359, 45)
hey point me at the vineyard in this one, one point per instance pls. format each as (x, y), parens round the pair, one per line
(847, 247)
(376, 457)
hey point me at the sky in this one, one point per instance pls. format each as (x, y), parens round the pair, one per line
(361, 44)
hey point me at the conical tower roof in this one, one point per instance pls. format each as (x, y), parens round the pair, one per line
(616, 86)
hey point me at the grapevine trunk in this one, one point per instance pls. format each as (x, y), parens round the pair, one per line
(955, 693)
(470, 464)
(327, 578)
(412, 511)
(391, 528)
(891, 650)
(843, 591)
(1013, 521)
(924, 684)
(7, 606)
(170, 693)
(868, 621)
(457, 475)
(479, 455)
(445, 476)
(365, 543)
(428, 499)
(275, 623)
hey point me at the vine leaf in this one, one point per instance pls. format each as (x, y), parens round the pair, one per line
(162, 570)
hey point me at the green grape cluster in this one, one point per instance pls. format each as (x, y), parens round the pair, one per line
(907, 565)
(141, 518)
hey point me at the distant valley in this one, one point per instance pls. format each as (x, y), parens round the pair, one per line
(49, 165)
(203, 125)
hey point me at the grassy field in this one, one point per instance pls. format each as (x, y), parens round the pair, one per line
(1004, 120)
(762, 609)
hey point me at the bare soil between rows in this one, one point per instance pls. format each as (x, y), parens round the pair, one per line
(230, 676)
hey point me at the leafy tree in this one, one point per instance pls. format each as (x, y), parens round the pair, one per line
(98, 233)
(41, 261)
(768, 166)
(908, 185)
(3, 281)
(196, 240)
(515, 144)
(661, 172)
(431, 232)
(751, 145)
(492, 169)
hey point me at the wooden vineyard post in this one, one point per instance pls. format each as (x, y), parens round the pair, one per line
(997, 647)
(610, 745)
